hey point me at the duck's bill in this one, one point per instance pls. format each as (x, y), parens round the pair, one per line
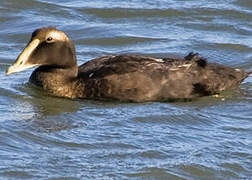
(22, 62)
(14, 68)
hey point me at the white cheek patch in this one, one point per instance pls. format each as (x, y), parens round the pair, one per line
(57, 35)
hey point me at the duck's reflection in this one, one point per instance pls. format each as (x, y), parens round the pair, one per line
(46, 112)
(48, 105)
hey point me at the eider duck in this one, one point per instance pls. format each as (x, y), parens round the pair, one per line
(133, 78)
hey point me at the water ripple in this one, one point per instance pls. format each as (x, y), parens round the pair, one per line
(44, 137)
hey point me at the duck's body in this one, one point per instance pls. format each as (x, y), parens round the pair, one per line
(122, 77)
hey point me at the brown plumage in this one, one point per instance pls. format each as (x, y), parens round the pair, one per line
(122, 77)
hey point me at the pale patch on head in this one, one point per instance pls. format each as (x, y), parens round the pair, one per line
(57, 35)
(238, 70)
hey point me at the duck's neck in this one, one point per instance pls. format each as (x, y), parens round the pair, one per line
(61, 82)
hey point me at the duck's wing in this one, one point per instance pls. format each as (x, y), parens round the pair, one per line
(119, 64)
(94, 64)
(141, 78)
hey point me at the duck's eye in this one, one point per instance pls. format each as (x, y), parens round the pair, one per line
(49, 39)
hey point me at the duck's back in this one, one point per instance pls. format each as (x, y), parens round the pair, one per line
(140, 78)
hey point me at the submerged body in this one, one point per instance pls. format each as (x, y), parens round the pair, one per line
(122, 77)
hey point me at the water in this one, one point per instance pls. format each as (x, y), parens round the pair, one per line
(43, 137)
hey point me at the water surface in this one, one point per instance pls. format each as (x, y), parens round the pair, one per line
(44, 137)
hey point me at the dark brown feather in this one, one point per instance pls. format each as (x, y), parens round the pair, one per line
(125, 77)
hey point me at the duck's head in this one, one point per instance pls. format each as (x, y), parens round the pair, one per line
(47, 47)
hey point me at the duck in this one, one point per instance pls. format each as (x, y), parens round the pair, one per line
(122, 77)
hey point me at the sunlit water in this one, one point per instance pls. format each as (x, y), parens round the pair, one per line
(43, 137)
